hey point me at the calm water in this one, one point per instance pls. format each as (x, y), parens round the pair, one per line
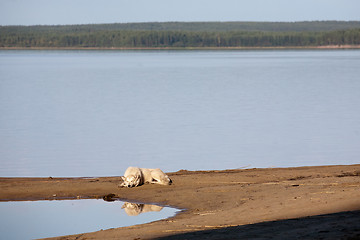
(94, 113)
(40, 219)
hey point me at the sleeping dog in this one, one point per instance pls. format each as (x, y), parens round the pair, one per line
(135, 176)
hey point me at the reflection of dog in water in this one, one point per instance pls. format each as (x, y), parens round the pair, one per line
(134, 209)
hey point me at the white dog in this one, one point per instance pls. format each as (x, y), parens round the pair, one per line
(135, 176)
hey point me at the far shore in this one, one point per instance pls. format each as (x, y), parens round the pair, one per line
(185, 48)
(319, 202)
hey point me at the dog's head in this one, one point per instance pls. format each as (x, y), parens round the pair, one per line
(130, 181)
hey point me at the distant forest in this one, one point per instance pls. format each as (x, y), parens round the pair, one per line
(183, 35)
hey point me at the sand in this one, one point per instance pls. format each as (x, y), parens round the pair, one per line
(279, 203)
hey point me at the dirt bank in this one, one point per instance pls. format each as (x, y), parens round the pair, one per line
(251, 203)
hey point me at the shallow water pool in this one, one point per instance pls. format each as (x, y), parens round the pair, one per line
(41, 219)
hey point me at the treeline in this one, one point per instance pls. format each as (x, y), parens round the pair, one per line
(155, 39)
(183, 34)
(306, 26)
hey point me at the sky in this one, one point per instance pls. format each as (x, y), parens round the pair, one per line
(61, 12)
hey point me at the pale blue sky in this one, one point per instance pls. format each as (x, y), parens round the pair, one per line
(53, 12)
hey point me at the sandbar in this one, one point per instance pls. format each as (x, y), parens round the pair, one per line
(317, 202)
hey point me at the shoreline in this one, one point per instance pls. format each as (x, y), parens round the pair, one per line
(188, 48)
(221, 204)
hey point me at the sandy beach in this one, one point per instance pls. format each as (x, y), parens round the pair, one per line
(277, 203)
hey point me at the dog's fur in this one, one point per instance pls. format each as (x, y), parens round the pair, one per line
(135, 176)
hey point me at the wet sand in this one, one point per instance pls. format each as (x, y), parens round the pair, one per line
(278, 203)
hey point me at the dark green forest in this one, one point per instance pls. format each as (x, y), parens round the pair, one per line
(183, 35)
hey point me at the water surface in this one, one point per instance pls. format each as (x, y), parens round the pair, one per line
(41, 219)
(94, 113)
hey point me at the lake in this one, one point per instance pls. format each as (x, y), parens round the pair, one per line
(94, 113)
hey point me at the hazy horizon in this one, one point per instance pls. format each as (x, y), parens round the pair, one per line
(109, 23)
(66, 12)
